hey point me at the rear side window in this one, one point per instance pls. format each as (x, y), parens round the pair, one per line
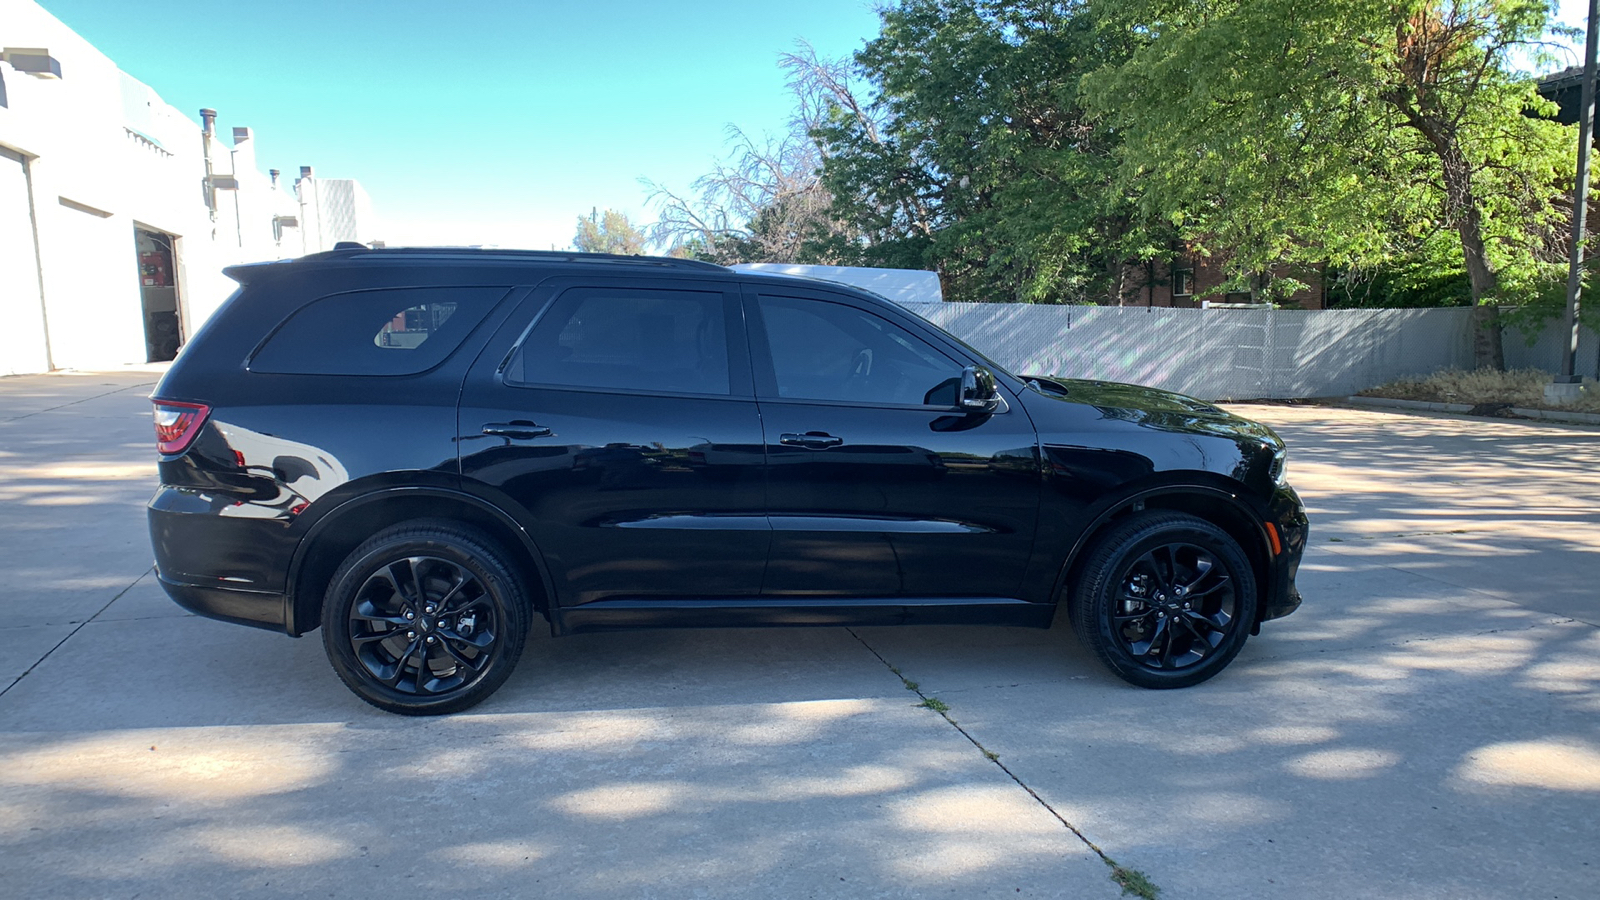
(390, 331)
(627, 339)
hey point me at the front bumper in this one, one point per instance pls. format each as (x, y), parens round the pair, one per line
(1288, 515)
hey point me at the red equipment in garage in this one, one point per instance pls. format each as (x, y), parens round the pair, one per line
(155, 269)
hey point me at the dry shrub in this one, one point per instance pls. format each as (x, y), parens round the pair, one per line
(1518, 387)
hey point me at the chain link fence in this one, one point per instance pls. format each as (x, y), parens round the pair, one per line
(1236, 354)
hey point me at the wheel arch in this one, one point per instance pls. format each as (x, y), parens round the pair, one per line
(346, 527)
(1206, 497)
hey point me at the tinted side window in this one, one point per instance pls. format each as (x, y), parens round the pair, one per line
(829, 351)
(628, 339)
(391, 331)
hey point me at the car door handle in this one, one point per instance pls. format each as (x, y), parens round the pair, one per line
(517, 429)
(815, 440)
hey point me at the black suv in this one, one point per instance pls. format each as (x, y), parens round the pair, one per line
(419, 449)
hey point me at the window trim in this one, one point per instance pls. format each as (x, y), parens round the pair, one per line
(1183, 275)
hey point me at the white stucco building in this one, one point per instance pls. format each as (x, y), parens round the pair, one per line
(118, 212)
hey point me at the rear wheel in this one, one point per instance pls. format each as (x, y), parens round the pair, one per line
(425, 618)
(1166, 600)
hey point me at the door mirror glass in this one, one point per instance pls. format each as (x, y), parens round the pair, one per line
(978, 391)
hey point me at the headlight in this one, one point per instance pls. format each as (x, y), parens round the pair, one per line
(1280, 466)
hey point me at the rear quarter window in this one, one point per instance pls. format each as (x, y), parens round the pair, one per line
(387, 331)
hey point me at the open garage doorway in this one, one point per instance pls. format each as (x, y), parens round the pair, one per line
(158, 293)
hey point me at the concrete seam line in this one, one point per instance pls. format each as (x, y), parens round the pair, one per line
(1492, 595)
(36, 663)
(39, 412)
(1118, 872)
(948, 692)
(1362, 648)
(1489, 594)
(184, 614)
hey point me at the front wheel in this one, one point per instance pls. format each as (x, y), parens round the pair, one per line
(424, 618)
(1166, 600)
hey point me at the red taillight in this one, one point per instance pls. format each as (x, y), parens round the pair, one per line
(177, 424)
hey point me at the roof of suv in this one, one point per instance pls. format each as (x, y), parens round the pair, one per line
(350, 256)
(245, 272)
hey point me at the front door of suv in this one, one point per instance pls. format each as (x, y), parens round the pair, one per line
(617, 420)
(878, 484)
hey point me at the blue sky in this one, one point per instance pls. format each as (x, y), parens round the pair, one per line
(1576, 14)
(478, 122)
(484, 122)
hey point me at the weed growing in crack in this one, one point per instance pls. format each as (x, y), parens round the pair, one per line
(1133, 881)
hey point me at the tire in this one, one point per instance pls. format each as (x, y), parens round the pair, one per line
(425, 618)
(1154, 569)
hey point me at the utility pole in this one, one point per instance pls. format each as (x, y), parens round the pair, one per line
(1566, 385)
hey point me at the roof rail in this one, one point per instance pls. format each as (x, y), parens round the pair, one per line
(350, 249)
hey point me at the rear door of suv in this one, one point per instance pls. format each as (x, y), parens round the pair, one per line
(616, 418)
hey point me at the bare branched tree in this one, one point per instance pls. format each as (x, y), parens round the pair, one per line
(765, 202)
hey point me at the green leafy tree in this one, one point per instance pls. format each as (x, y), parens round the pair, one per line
(1353, 132)
(608, 232)
(975, 155)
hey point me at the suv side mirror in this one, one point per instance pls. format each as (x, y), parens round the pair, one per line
(978, 391)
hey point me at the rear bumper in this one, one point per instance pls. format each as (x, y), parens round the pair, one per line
(219, 558)
(255, 608)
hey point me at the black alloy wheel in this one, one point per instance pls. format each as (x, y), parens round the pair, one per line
(424, 618)
(1166, 600)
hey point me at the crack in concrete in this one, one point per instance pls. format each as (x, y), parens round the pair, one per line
(1119, 875)
(1429, 576)
(1334, 539)
(1006, 687)
(1558, 621)
(79, 627)
(39, 412)
(149, 618)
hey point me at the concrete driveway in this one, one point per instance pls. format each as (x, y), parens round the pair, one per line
(1427, 726)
